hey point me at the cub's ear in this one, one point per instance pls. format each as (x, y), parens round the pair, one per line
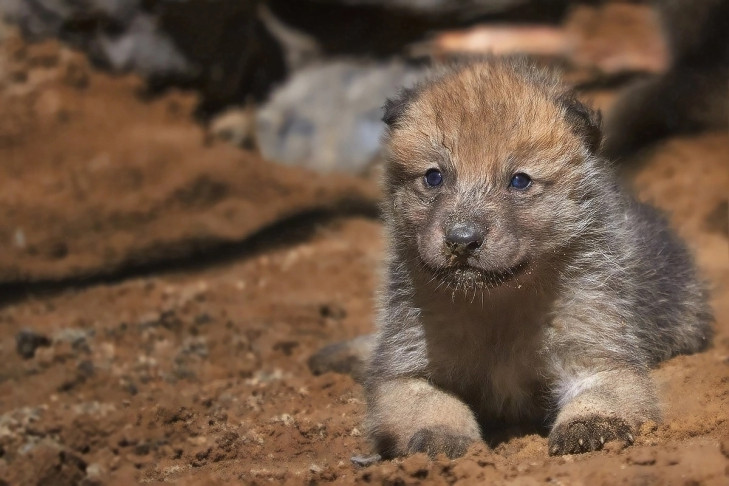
(395, 107)
(584, 121)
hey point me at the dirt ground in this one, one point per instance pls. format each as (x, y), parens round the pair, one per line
(154, 326)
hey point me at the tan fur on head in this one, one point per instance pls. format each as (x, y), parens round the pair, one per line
(479, 125)
(520, 110)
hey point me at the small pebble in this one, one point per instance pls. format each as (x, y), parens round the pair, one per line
(27, 341)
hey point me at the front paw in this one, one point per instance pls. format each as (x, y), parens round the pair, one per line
(439, 439)
(589, 433)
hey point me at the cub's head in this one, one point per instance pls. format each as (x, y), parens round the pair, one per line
(488, 171)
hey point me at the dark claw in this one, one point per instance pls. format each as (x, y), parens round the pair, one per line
(436, 440)
(588, 434)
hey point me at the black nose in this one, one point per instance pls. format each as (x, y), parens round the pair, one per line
(463, 238)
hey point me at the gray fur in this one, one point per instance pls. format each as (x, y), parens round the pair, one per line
(609, 291)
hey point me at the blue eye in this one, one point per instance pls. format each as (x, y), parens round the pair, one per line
(520, 181)
(433, 178)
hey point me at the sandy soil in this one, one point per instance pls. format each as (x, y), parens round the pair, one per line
(97, 179)
(194, 370)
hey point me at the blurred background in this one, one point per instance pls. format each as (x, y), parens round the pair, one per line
(188, 211)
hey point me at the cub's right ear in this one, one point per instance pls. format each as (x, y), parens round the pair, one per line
(395, 107)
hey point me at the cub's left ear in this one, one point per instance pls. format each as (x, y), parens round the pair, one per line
(585, 122)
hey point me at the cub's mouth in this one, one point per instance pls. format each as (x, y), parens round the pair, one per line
(469, 277)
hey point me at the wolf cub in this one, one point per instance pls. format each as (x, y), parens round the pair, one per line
(521, 282)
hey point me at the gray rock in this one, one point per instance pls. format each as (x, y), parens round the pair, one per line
(221, 47)
(123, 36)
(328, 117)
(142, 48)
(40, 18)
(27, 341)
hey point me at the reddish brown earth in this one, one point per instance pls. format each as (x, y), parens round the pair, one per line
(95, 180)
(193, 370)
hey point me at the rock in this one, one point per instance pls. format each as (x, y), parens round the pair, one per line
(328, 117)
(365, 461)
(143, 49)
(95, 472)
(27, 341)
(221, 48)
(234, 51)
(235, 126)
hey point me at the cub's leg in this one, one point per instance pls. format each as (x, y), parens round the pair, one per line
(597, 407)
(409, 415)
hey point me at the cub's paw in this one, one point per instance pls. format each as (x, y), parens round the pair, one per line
(439, 439)
(590, 433)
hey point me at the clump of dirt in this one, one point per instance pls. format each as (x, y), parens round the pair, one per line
(196, 373)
